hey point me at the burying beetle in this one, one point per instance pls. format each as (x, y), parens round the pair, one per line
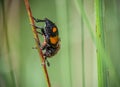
(51, 44)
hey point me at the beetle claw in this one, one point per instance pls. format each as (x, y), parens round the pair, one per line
(43, 63)
(48, 64)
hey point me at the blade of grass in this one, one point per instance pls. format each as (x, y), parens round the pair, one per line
(105, 65)
(68, 40)
(82, 50)
(81, 11)
(37, 42)
(63, 17)
(99, 38)
(12, 73)
(102, 52)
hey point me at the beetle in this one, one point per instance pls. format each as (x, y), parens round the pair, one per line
(50, 33)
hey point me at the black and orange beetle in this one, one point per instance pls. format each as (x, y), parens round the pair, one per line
(51, 43)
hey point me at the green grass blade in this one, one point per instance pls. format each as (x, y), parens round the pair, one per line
(82, 50)
(12, 74)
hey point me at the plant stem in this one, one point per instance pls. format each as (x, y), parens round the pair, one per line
(37, 42)
(100, 40)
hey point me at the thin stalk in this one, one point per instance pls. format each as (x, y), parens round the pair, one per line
(37, 42)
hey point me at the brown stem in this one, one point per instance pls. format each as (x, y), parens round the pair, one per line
(37, 42)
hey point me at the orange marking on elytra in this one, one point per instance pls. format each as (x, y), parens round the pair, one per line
(54, 40)
(54, 29)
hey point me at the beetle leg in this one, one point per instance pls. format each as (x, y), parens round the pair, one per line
(43, 63)
(39, 32)
(37, 42)
(34, 47)
(38, 20)
(48, 64)
(44, 45)
(42, 29)
(38, 27)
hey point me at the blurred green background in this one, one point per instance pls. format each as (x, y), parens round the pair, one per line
(90, 43)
